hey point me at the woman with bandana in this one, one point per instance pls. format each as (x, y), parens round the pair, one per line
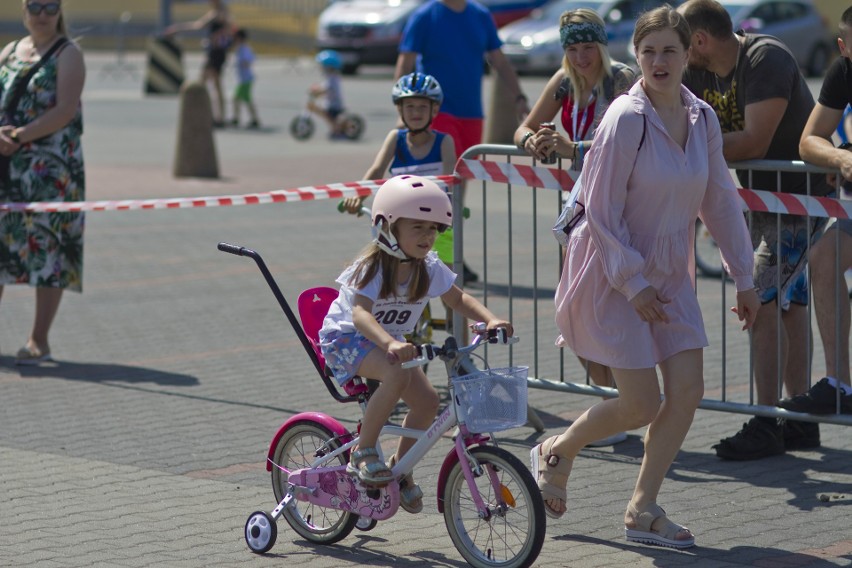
(580, 91)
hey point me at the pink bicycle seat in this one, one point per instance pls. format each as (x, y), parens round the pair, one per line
(313, 306)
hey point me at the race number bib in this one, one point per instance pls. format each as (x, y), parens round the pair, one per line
(397, 316)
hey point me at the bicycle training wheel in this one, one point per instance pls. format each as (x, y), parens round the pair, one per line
(298, 448)
(302, 127)
(707, 257)
(512, 534)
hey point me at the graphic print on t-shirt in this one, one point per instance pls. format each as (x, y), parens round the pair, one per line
(724, 103)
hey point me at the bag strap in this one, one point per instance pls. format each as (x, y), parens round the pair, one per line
(21, 82)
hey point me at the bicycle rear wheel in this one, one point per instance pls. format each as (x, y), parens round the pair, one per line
(513, 532)
(297, 449)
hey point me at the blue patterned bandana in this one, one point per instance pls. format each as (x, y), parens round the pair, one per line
(583, 32)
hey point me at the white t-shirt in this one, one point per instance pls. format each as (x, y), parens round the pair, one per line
(396, 314)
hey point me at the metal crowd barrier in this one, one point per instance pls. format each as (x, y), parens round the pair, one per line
(508, 240)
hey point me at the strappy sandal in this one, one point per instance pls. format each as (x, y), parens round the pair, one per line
(372, 473)
(665, 532)
(410, 494)
(31, 356)
(551, 474)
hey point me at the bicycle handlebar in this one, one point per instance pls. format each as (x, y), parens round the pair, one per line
(430, 351)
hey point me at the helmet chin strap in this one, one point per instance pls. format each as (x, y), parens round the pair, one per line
(388, 243)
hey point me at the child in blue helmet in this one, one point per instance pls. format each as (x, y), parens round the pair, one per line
(416, 148)
(331, 90)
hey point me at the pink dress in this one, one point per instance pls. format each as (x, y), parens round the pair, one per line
(639, 229)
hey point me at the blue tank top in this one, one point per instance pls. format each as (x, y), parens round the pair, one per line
(405, 163)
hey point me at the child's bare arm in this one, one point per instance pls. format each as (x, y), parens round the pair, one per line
(380, 165)
(383, 158)
(472, 309)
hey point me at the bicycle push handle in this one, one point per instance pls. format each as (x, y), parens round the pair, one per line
(429, 351)
(237, 250)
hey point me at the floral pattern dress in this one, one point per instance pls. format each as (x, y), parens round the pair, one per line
(42, 249)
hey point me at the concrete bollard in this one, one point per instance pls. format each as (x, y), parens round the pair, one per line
(195, 155)
(502, 120)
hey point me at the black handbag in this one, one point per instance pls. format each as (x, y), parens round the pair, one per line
(17, 90)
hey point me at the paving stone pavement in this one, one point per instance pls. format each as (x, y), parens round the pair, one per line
(143, 445)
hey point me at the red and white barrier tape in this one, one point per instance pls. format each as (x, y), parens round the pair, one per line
(483, 170)
(504, 172)
(752, 199)
(310, 193)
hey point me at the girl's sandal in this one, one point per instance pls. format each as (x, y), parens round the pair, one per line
(663, 534)
(551, 474)
(370, 472)
(410, 494)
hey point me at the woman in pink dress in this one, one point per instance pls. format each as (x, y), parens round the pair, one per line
(626, 298)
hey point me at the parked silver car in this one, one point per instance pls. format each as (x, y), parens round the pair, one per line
(532, 43)
(797, 23)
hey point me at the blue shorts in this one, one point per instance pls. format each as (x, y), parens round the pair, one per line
(796, 232)
(344, 353)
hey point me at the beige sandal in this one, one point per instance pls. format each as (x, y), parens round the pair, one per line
(410, 494)
(368, 468)
(665, 532)
(551, 474)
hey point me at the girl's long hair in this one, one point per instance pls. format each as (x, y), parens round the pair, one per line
(373, 259)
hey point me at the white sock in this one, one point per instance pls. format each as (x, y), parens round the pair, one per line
(847, 389)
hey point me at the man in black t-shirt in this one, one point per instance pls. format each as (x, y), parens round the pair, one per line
(829, 284)
(754, 84)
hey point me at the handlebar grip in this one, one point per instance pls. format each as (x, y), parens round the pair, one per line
(426, 353)
(232, 249)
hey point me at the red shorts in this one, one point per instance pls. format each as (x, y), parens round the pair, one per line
(465, 132)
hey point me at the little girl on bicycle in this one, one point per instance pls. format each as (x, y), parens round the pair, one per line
(382, 295)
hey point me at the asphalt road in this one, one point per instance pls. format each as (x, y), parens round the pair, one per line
(144, 444)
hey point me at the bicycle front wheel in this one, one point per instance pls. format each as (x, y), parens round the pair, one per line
(300, 445)
(512, 532)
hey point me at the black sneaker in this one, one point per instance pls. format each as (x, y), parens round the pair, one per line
(800, 435)
(820, 399)
(759, 438)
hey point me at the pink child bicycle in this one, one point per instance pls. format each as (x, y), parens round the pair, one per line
(490, 502)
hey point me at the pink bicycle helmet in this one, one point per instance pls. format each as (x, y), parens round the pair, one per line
(410, 197)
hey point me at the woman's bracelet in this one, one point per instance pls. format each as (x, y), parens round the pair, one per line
(527, 135)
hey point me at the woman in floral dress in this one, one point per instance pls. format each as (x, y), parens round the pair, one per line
(42, 138)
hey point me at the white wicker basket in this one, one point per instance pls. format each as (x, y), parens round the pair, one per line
(492, 400)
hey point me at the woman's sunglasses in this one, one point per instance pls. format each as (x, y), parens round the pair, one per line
(36, 8)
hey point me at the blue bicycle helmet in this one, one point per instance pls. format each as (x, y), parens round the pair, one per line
(417, 85)
(329, 58)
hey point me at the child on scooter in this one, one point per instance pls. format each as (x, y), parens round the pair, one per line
(331, 90)
(382, 294)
